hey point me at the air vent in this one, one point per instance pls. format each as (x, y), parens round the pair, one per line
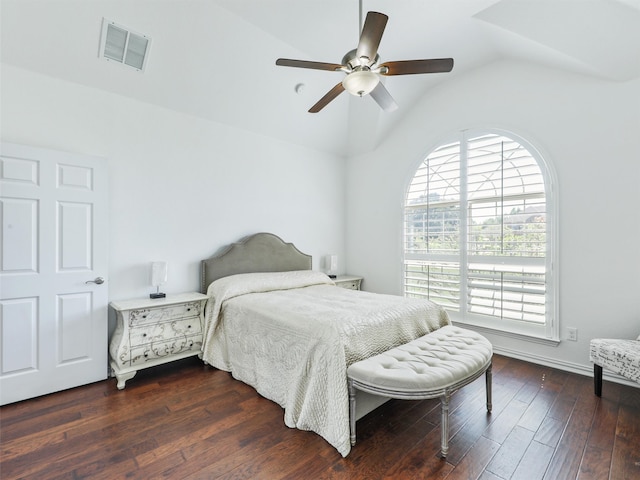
(119, 44)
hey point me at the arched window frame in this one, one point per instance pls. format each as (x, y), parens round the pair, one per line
(548, 333)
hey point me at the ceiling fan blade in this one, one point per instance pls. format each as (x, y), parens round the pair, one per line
(409, 67)
(287, 62)
(371, 35)
(383, 98)
(330, 95)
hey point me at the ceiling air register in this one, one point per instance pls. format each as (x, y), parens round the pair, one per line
(119, 44)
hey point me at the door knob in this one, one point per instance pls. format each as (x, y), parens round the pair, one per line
(97, 280)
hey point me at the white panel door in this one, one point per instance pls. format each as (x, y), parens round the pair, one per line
(53, 255)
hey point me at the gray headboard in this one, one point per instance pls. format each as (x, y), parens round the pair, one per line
(260, 252)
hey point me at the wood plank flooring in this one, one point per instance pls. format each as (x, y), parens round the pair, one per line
(189, 421)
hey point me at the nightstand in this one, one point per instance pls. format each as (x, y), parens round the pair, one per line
(348, 281)
(150, 332)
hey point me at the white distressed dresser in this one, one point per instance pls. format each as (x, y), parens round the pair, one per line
(150, 332)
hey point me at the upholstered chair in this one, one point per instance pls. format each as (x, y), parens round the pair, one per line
(619, 356)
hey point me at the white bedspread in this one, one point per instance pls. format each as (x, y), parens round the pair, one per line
(292, 335)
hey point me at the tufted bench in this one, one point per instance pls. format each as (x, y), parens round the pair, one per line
(434, 365)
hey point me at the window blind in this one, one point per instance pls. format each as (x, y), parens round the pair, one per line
(475, 230)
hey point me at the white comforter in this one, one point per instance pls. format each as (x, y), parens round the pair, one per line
(292, 335)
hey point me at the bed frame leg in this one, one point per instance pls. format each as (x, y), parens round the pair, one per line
(488, 378)
(352, 412)
(444, 425)
(597, 379)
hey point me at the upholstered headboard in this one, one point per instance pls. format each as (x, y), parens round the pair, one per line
(260, 252)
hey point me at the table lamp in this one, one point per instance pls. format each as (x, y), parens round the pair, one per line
(158, 277)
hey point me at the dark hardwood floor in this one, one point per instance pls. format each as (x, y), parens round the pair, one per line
(189, 421)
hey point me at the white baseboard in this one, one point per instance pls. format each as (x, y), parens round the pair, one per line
(586, 370)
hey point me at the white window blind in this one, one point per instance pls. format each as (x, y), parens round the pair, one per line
(476, 232)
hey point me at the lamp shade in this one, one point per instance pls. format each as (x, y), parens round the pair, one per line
(360, 82)
(158, 273)
(331, 264)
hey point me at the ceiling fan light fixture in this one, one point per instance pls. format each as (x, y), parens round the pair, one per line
(360, 82)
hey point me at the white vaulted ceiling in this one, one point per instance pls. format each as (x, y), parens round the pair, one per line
(216, 58)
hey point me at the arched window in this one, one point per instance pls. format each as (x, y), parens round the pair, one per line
(479, 234)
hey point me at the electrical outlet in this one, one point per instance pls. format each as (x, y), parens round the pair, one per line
(572, 334)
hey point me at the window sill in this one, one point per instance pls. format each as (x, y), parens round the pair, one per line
(523, 336)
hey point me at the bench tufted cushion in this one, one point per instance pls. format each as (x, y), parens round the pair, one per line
(619, 356)
(435, 361)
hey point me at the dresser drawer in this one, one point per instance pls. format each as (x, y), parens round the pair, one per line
(352, 285)
(156, 350)
(162, 314)
(349, 282)
(165, 331)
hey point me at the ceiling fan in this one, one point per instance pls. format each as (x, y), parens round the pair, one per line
(362, 68)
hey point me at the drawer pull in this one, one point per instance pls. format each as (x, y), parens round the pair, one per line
(144, 334)
(189, 326)
(188, 309)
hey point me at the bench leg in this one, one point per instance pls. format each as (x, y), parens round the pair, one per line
(444, 425)
(352, 412)
(597, 380)
(488, 378)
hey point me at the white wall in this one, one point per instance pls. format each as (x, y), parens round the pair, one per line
(180, 187)
(588, 129)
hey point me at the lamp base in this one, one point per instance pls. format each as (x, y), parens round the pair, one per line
(157, 295)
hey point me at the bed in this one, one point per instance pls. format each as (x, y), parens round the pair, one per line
(290, 332)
